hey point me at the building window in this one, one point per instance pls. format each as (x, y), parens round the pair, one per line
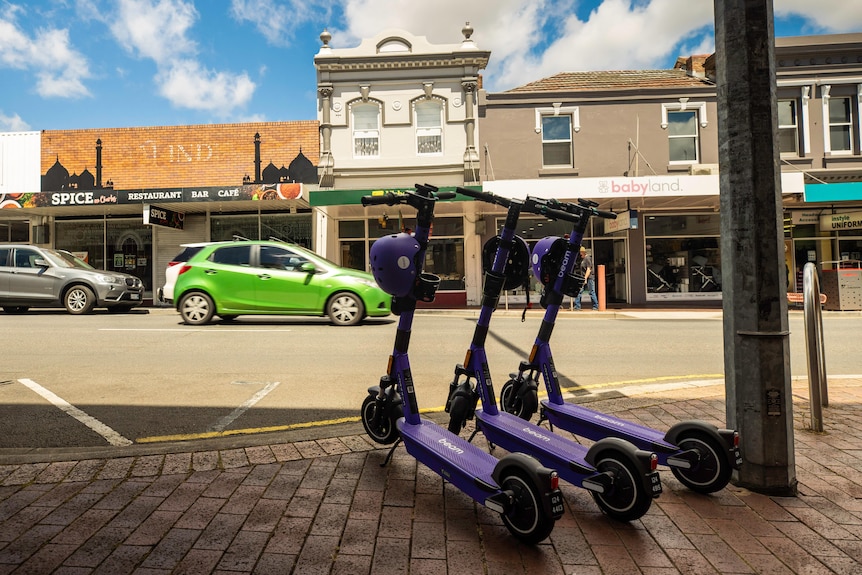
(788, 127)
(429, 127)
(557, 141)
(682, 136)
(840, 126)
(366, 130)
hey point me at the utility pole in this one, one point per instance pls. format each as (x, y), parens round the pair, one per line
(756, 331)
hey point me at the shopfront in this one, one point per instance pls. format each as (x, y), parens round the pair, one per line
(112, 230)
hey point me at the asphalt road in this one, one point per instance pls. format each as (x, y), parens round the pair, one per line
(145, 378)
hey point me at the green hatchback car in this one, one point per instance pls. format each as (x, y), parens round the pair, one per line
(228, 279)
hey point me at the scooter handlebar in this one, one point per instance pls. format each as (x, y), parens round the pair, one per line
(484, 197)
(389, 198)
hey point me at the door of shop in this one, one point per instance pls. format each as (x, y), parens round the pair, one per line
(611, 253)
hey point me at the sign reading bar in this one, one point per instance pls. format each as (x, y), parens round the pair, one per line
(156, 216)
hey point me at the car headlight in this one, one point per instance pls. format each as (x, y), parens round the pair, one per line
(105, 279)
(369, 283)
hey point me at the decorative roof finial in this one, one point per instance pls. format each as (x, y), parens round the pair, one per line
(467, 30)
(325, 37)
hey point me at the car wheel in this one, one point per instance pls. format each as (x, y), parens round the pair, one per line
(15, 309)
(196, 308)
(345, 308)
(79, 300)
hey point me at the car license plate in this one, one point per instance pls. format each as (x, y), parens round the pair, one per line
(655, 483)
(557, 504)
(136, 296)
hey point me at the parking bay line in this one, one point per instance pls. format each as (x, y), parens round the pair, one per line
(222, 423)
(109, 434)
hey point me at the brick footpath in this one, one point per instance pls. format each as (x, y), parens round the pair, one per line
(326, 506)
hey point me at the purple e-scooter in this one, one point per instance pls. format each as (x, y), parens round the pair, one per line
(701, 456)
(621, 478)
(525, 493)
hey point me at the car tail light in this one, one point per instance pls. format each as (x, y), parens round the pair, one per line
(555, 480)
(184, 269)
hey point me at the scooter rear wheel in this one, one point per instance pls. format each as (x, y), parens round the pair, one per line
(526, 520)
(626, 499)
(380, 427)
(458, 408)
(713, 470)
(524, 406)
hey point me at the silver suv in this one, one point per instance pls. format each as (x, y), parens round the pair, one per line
(31, 276)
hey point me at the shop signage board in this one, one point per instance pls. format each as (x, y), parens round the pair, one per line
(158, 216)
(624, 187)
(845, 221)
(625, 221)
(106, 196)
(836, 192)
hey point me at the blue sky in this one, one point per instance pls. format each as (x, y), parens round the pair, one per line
(75, 64)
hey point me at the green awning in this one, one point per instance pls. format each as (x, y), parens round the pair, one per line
(318, 198)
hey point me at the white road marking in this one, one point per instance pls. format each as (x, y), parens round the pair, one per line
(222, 423)
(210, 330)
(109, 434)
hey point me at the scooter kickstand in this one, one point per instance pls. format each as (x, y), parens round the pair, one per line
(391, 452)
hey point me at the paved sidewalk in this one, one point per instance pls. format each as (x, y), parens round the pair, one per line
(326, 506)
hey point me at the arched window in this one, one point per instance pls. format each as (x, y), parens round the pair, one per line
(429, 127)
(366, 130)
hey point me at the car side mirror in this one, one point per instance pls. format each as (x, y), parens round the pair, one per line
(307, 267)
(40, 262)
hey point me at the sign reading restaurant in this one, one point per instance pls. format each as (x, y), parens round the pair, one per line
(200, 194)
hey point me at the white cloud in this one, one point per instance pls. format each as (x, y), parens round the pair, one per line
(532, 39)
(189, 85)
(60, 70)
(824, 16)
(278, 20)
(161, 30)
(13, 123)
(155, 29)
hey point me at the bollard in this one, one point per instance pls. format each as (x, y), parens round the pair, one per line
(814, 352)
(600, 286)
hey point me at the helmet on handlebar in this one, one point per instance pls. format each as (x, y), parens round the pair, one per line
(517, 270)
(547, 257)
(393, 263)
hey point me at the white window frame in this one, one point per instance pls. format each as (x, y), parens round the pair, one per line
(365, 133)
(558, 109)
(683, 105)
(428, 131)
(794, 127)
(826, 97)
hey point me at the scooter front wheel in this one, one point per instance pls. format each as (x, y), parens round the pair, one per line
(626, 499)
(458, 408)
(713, 469)
(524, 406)
(526, 519)
(380, 425)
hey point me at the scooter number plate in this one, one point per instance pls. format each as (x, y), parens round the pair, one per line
(737, 458)
(557, 504)
(655, 483)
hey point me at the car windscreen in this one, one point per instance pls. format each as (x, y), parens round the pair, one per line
(65, 259)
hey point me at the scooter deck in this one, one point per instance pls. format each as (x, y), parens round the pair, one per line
(595, 425)
(514, 434)
(453, 458)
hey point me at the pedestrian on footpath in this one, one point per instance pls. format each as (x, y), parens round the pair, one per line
(589, 281)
